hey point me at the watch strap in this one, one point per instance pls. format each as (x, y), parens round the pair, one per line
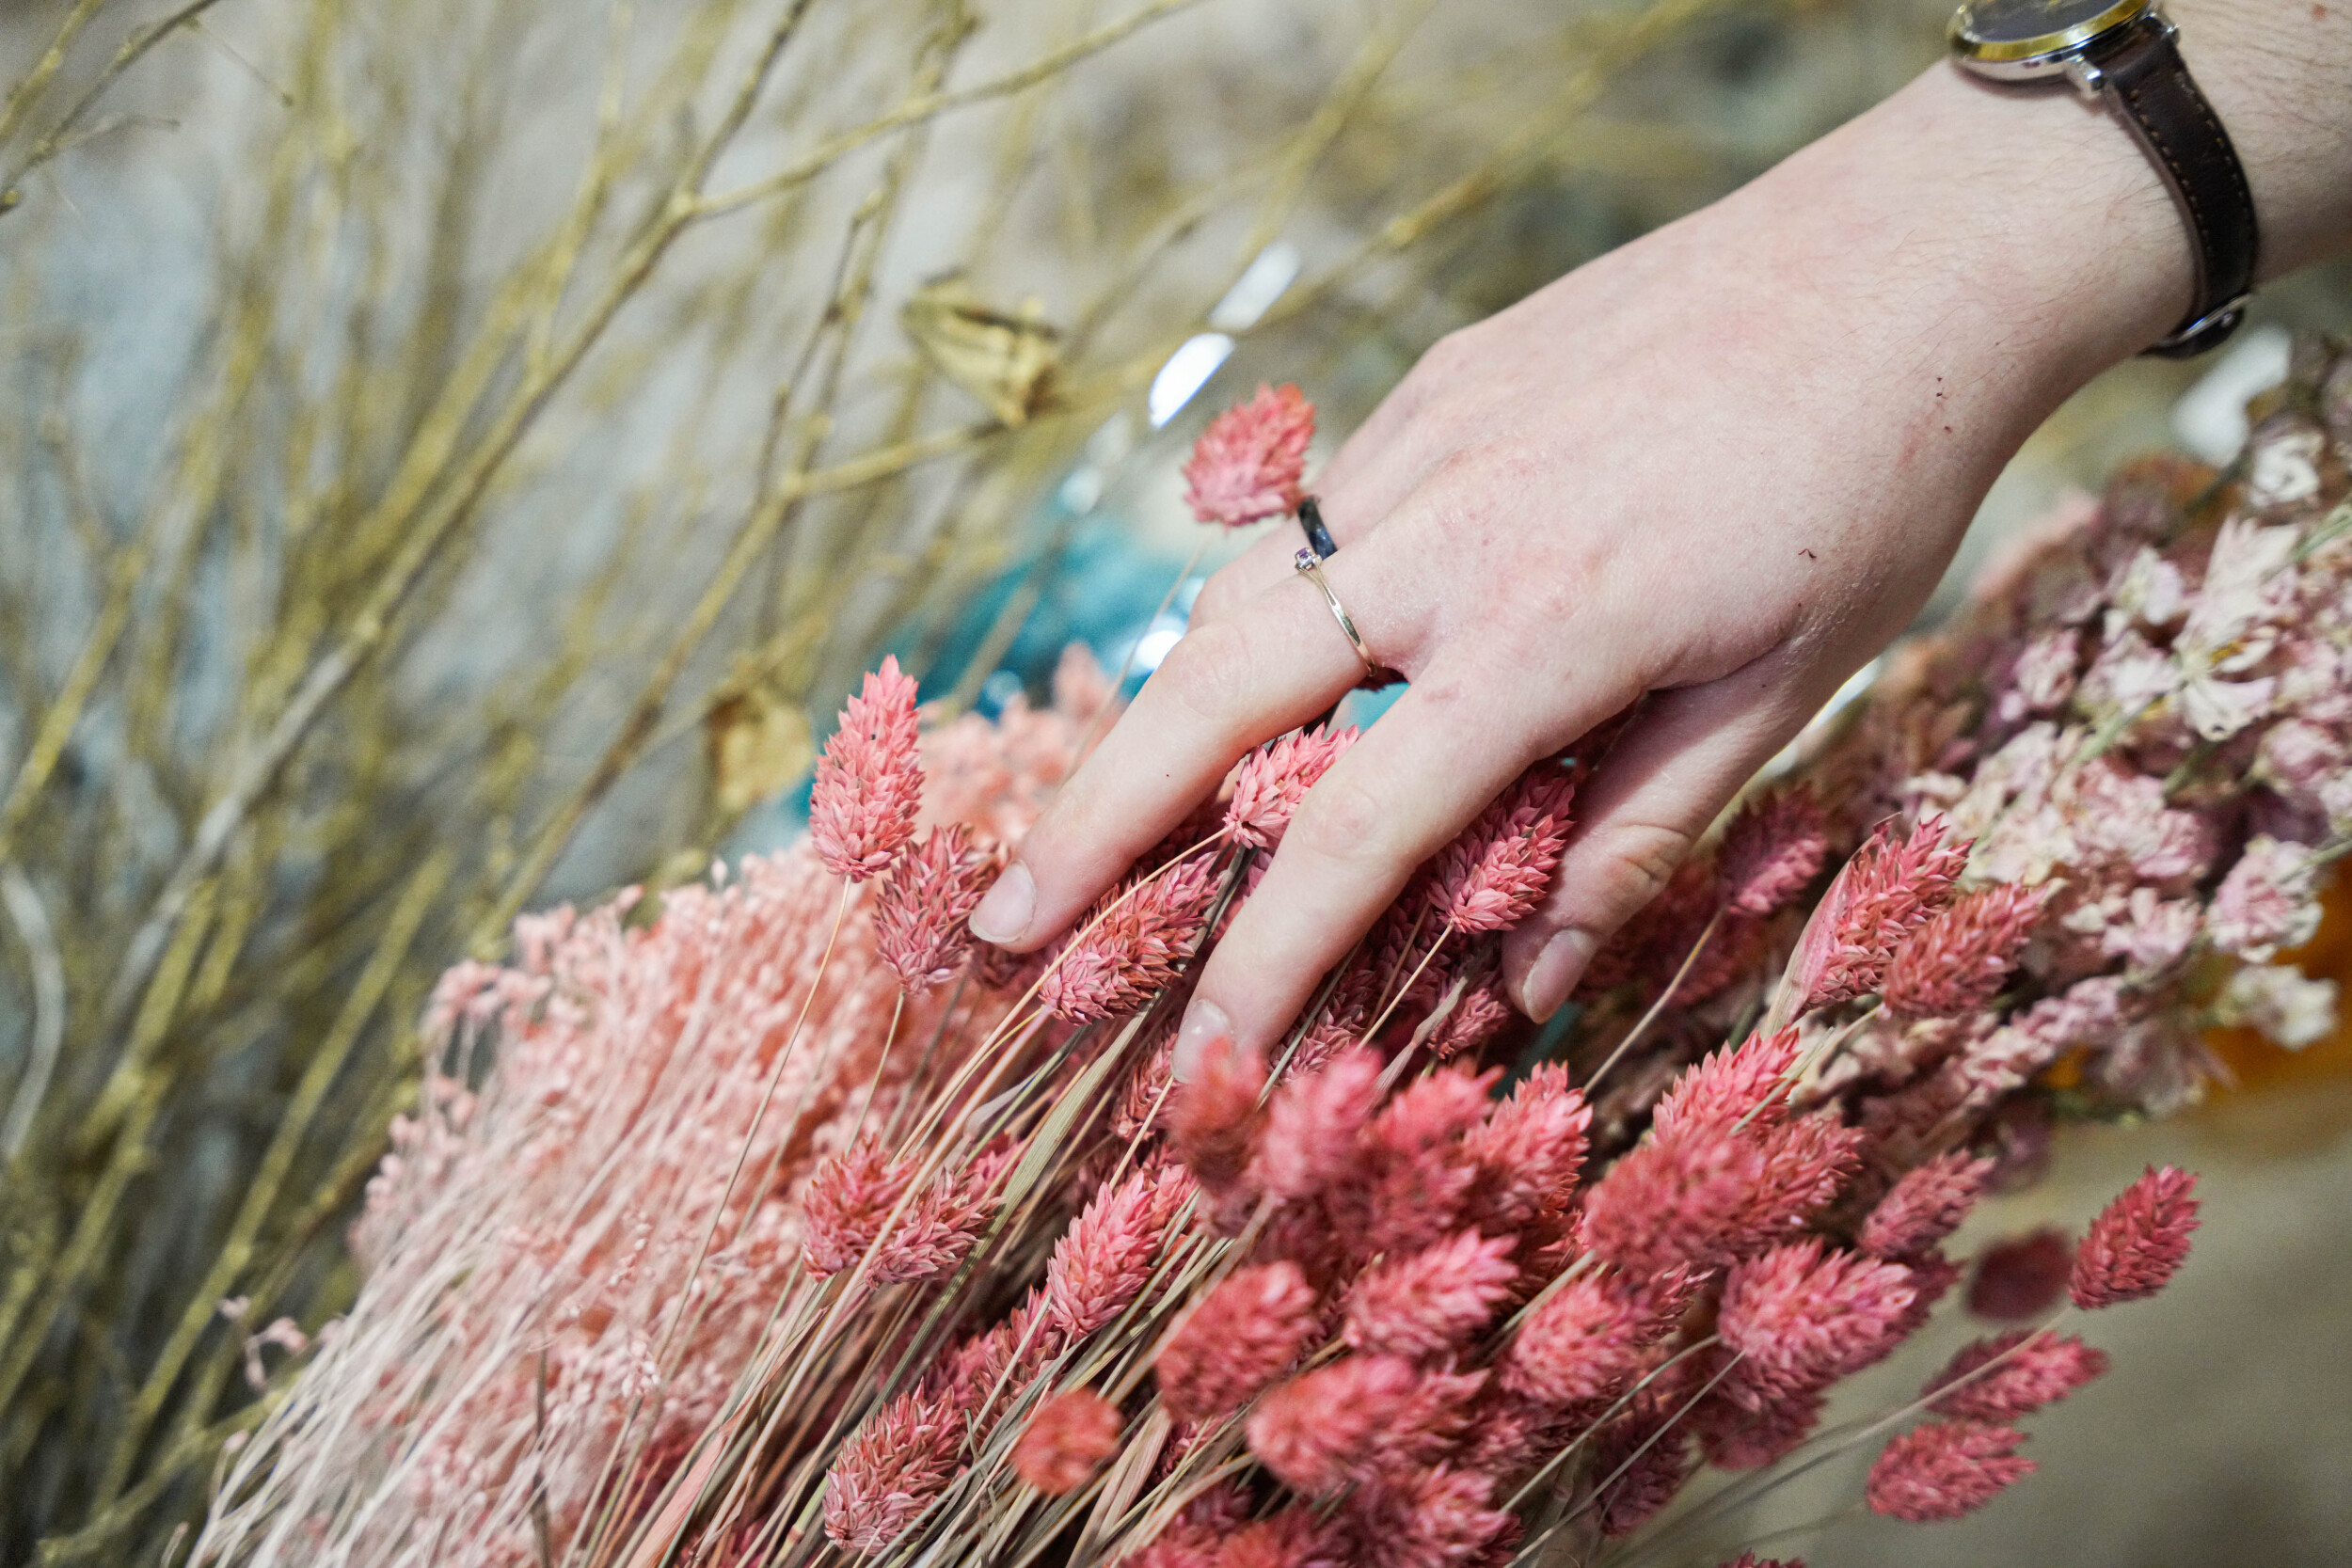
(2184, 138)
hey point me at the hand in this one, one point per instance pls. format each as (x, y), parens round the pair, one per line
(1720, 467)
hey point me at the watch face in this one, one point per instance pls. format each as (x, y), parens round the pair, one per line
(2022, 21)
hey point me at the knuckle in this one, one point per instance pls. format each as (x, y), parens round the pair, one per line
(1208, 672)
(1340, 820)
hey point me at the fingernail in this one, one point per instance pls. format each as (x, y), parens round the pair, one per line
(1204, 1021)
(1004, 916)
(1555, 972)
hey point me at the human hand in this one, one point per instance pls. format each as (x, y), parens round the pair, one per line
(1721, 466)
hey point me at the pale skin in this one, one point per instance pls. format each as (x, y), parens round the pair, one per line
(1722, 467)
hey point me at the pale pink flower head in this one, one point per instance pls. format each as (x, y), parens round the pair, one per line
(1958, 961)
(1275, 777)
(1926, 1206)
(1249, 463)
(1946, 1469)
(869, 785)
(848, 1199)
(2137, 1242)
(1802, 1315)
(920, 918)
(1888, 889)
(890, 1470)
(1428, 1302)
(1496, 871)
(1770, 851)
(1131, 946)
(2031, 1372)
(2268, 902)
(1236, 1341)
(1070, 1437)
(1585, 1342)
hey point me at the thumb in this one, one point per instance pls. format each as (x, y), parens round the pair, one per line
(1665, 780)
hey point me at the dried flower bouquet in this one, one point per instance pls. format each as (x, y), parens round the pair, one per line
(791, 1226)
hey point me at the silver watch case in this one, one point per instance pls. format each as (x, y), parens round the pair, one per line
(2036, 40)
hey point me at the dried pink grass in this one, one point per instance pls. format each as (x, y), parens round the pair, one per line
(1248, 464)
(869, 785)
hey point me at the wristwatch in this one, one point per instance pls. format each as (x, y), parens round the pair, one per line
(2123, 52)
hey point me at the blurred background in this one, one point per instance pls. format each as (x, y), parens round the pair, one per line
(454, 456)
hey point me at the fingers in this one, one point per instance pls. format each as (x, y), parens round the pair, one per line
(1662, 785)
(1432, 763)
(1222, 690)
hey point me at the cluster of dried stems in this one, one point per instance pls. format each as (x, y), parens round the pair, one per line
(431, 419)
(794, 1227)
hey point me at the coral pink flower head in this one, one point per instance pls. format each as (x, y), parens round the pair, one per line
(1730, 1085)
(1674, 1201)
(2032, 1372)
(1802, 1315)
(1749, 1559)
(2137, 1242)
(1946, 1469)
(1131, 947)
(1529, 1151)
(1887, 890)
(869, 785)
(1070, 1437)
(1496, 870)
(1104, 1260)
(1236, 1341)
(1251, 460)
(1441, 1517)
(1650, 1459)
(848, 1199)
(1958, 961)
(1320, 1431)
(920, 918)
(1926, 1206)
(1314, 1124)
(889, 1471)
(1433, 1300)
(1214, 1117)
(1585, 1342)
(1773, 849)
(1275, 777)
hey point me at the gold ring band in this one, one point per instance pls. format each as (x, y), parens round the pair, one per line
(1307, 565)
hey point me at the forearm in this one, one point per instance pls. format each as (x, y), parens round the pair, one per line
(2019, 242)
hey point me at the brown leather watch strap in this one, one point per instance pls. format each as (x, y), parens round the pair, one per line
(2160, 101)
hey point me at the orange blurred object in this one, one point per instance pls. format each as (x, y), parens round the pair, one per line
(2257, 1064)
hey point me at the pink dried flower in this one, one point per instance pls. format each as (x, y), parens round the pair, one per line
(2268, 903)
(1479, 1014)
(1104, 1260)
(2021, 1277)
(1887, 890)
(1528, 1153)
(1802, 1315)
(1293, 1537)
(1131, 946)
(1071, 1435)
(1420, 1177)
(1426, 1302)
(1356, 1417)
(2137, 1242)
(889, 1471)
(1674, 1201)
(861, 812)
(1770, 851)
(1585, 1342)
(1958, 961)
(1436, 1518)
(1655, 1459)
(1236, 1341)
(848, 1199)
(2036, 1371)
(1496, 870)
(1735, 1083)
(920, 918)
(1749, 1559)
(1313, 1124)
(1214, 1115)
(1946, 1469)
(1733, 1436)
(1250, 462)
(1275, 777)
(1926, 1206)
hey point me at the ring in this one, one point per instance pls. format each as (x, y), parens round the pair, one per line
(1307, 565)
(1318, 537)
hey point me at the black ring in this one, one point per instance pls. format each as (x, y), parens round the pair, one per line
(1318, 537)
